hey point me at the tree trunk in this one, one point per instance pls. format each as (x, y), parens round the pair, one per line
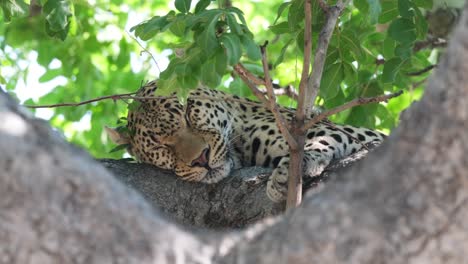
(405, 203)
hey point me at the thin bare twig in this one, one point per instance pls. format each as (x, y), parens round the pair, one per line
(430, 42)
(353, 103)
(113, 97)
(422, 71)
(145, 50)
(280, 122)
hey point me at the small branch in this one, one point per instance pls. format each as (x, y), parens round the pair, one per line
(416, 73)
(313, 82)
(323, 5)
(145, 50)
(288, 90)
(353, 103)
(250, 80)
(246, 74)
(431, 42)
(280, 122)
(301, 110)
(113, 97)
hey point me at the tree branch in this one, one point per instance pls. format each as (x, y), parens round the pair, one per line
(313, 82)
(353, 103)
(113, 97)
(287, 90)
(273, 106)
(250, 80)
(301, 110)
(422, 71)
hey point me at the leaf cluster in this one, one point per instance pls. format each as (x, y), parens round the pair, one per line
(209, 41)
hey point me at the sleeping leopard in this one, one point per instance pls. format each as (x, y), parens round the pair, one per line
(215, 133)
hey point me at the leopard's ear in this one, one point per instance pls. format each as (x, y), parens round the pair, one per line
(119, 138)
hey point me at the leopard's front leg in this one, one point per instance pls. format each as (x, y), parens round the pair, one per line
(314, 163)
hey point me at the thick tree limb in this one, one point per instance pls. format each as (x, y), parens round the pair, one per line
(237, 201)
(406, 203)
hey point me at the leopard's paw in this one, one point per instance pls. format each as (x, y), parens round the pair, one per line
(277, 186)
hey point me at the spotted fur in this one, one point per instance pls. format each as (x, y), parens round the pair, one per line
(215, 133)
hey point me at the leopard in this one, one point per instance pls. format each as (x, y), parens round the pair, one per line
(214, 133)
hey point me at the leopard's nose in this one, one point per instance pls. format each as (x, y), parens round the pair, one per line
(202, 160)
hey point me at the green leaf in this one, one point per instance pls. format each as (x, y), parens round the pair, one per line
(388, 47)
(50, 74)
(404, 51)
(427, 4)
(220, 62)
(232, 47)
(350, 74)
(350, 42)
(281, 8)
(390, 70)
(296, 14)
(233, 25)
(207, 39)
(183, 5)
(283, 51)
(374, 10)
(421, 24)
(178, 27)
(209, 75)
(402, 30)
(120, 147)
(361, 5)
(150, 28)
(57, 14)
(280, 28)
(251, 48)
(133, 106)
(202, 5)
(389, 11)
(14, 8)
(331, 81)
(405, 9)
(239, 14)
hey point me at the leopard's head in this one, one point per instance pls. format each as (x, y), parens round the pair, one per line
(191, 140)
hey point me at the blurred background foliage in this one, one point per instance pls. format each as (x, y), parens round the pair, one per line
(55, 51)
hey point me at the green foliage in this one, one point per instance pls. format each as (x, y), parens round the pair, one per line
(208, 36)
(371, 53)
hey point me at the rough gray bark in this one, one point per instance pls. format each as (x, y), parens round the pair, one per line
(406, 203)
(235, 202)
